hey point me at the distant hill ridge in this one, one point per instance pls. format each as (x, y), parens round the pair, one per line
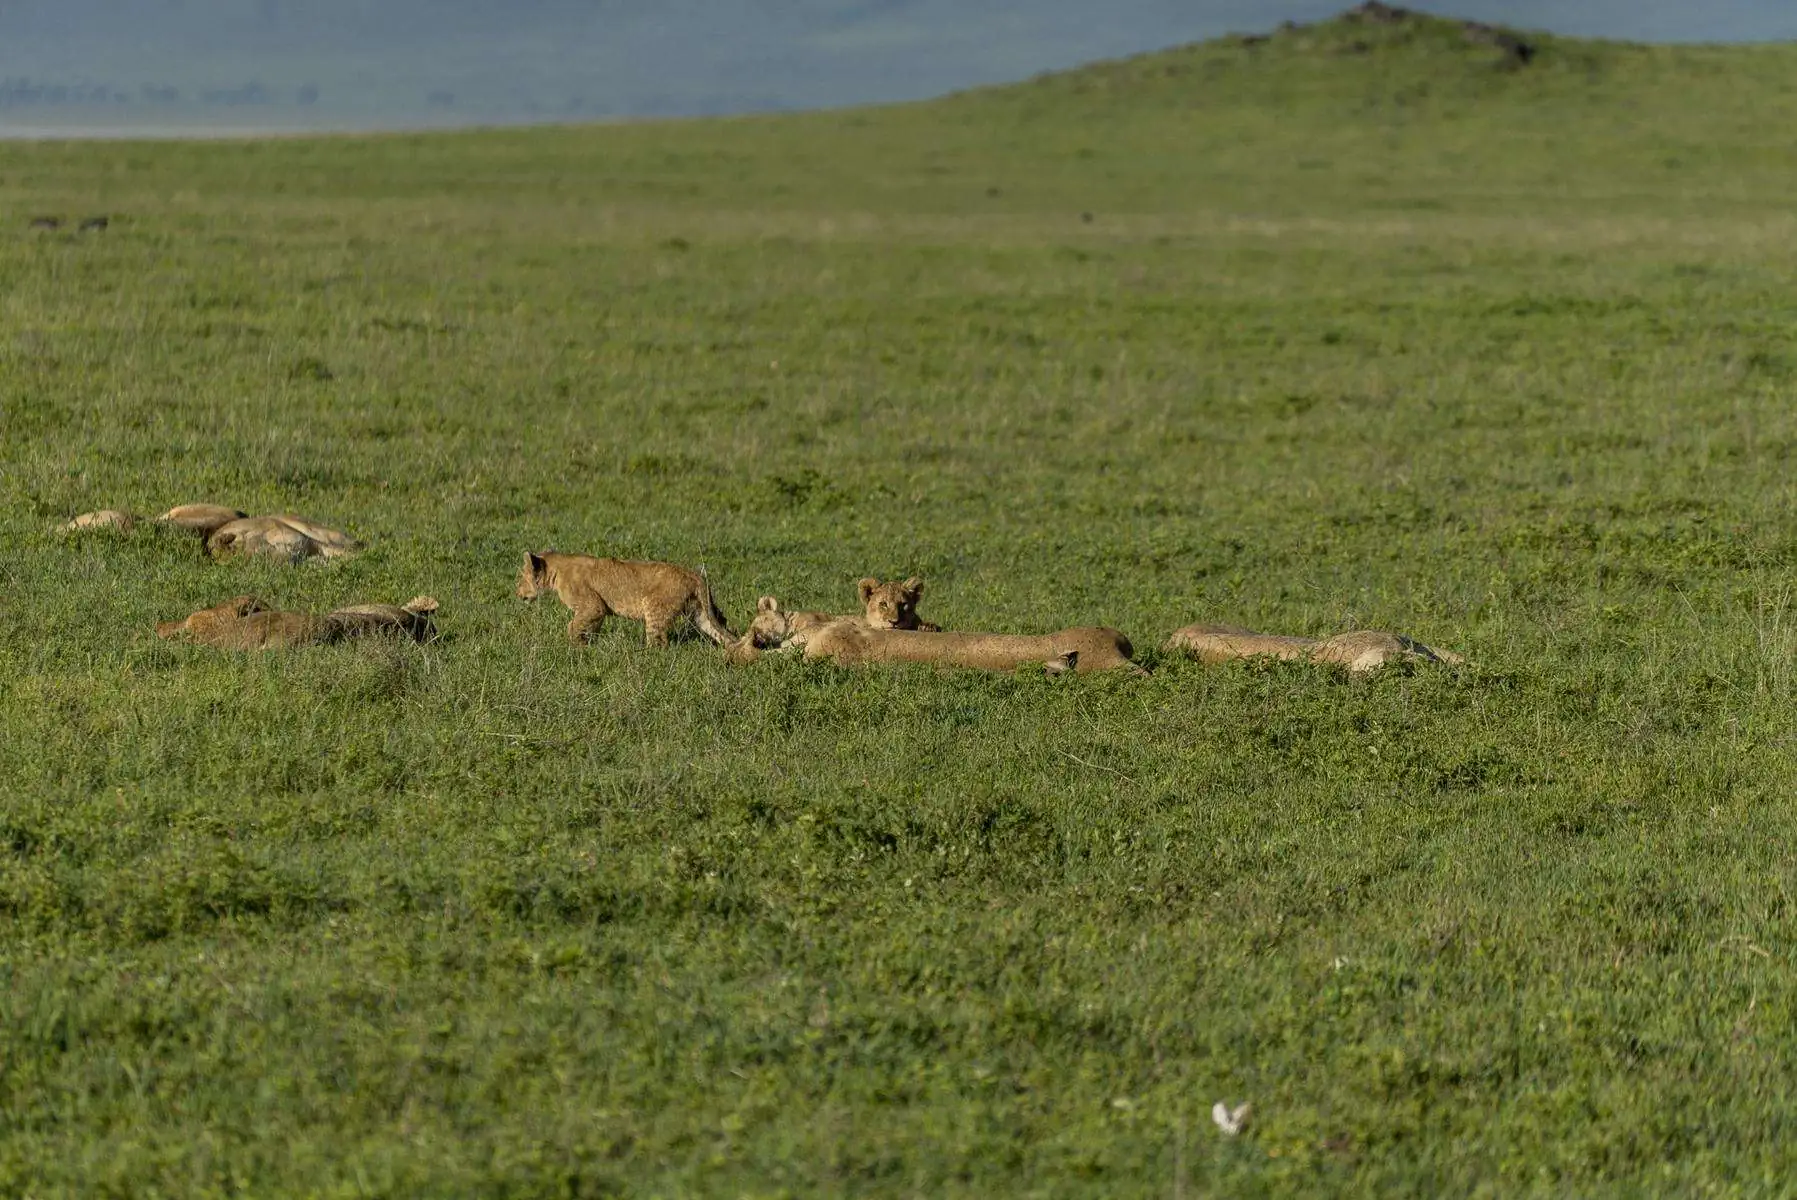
(270, 67)
(1375, 31)
(333, 64)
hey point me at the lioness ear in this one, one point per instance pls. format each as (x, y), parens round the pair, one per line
(912, 587)
(767, 604)
(865, 588)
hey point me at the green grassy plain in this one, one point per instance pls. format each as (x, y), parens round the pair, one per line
(1393, 337)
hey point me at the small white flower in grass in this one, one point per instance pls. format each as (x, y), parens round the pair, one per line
(1231, 1120)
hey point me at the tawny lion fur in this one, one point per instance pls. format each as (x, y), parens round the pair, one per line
(656, 593)
(105, 518)
(884, 606)
(286, 536)
(228, 532)
(851, 644)
(201, 518)
(245, 623)
(892, 605)
(1360, 651)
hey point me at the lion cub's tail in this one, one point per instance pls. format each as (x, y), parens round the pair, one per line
(709, 618)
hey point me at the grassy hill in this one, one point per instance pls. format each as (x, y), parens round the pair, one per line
(1364, 325)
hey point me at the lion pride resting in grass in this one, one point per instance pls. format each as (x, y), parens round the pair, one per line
(1360, 651)
(656, 593)
(227, 532)
(245, 623)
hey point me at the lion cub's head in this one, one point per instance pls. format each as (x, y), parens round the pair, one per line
(771, 626)
(890, 605)
(533, 579)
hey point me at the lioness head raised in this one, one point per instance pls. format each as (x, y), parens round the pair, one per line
(533, 579)
(890, 605)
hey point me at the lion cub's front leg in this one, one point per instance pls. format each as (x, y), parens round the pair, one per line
(586, 622)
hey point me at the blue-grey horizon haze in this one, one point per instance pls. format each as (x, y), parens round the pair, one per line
(194, 66)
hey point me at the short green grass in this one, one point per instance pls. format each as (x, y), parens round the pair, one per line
(1296, 334)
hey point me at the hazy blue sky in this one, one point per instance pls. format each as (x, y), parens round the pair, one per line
(360, 63)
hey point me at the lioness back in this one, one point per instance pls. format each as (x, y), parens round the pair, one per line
(244, 623)
(106, 518)
(292, 538)
(414, 619)
(236, 625)
(1369, 649)
(203, 519)
(207, 625)
(1360, 650)
(1091, 648)
(1220, 643)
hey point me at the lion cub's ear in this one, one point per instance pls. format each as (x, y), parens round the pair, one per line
(767, 604)
(534, 564)
(865, 587)
(913, 588)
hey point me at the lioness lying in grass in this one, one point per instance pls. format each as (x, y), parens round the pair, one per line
(245, 623)
(1360, 651)
(851, 643)
(656, 593)
(292, 538)
(227, 532)
(195, 518)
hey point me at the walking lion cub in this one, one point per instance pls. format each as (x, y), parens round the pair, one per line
(656, 593)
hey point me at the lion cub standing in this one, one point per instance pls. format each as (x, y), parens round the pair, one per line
(655, 593)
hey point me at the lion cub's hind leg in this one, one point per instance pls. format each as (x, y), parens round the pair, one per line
(656, 624)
